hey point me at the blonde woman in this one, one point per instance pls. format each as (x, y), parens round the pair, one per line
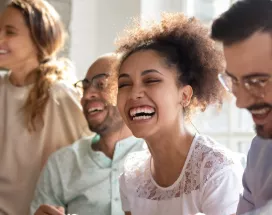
(40, 110)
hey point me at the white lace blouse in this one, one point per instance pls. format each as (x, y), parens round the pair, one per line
(210, 183)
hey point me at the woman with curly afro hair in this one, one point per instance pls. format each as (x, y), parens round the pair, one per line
(166, 72)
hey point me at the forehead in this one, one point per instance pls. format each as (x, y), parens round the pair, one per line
(12, 16)
(101, 66)
(252, 56)
(141, 61)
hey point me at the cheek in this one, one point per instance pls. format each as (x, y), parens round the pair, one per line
(121, 100)
(82, 101)
(269, 95)
(24, 48)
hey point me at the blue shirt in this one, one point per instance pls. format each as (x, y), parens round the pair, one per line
(257, 178)
(84, 181)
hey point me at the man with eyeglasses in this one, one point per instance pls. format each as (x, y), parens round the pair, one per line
(83, 178)
(246, 33)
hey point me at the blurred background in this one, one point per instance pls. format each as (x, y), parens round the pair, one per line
(93, 25)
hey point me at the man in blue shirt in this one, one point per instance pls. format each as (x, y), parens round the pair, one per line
(246, 33)
(83, 178)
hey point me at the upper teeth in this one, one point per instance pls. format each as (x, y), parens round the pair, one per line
(95, 109)
(260, 111)
(134, 111)
(3, 51)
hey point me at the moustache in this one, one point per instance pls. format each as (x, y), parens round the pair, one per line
(259, 106)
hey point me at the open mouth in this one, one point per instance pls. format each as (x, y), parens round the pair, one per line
(3, 52)
(95, 110)
(260, 115)
(141, 113)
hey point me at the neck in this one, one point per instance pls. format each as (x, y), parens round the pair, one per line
(108, 141)
(21, 75)
(169, 149)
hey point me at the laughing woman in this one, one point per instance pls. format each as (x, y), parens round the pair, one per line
(40, 110)
(167, 72)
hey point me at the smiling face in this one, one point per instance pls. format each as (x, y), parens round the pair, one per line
(149, 99)
(252, 60)
(99, 91)
(16, 45)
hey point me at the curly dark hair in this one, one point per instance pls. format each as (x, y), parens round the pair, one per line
(244, 18)
(186, 45)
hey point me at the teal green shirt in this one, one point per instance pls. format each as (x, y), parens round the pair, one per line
(84, 181)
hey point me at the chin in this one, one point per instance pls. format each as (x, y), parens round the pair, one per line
(4, 66)
(263, 132)
(139, 133)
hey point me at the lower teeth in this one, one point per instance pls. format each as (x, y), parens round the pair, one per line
(141, 117)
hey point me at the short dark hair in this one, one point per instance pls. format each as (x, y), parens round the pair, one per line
(243, 19)
(185, 44)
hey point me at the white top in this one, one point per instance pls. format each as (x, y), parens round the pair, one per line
(23, 154)
(210, 183)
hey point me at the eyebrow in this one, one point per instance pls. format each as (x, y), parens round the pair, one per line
(145, 72)
(100, 75)
(12, 27)
(229, 74)
(96, 76)
(150, 71)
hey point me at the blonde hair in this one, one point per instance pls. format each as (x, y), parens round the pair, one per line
(48, 35)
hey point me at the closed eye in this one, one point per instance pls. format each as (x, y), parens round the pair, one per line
(122, 85)
(151, 81)
(10, 33)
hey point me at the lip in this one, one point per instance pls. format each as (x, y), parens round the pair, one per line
(261, 119)
(3, 54)
(95, 115)
(3, 51)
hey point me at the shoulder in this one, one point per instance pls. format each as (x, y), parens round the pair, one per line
(67, 156)
(136, 162)
(258, 144)
(259, 152)
(212, 158)
(61, 89)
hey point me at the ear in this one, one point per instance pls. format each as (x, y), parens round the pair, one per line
(186, 94)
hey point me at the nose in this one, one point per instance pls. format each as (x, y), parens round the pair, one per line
(137, 92)
(89, 93)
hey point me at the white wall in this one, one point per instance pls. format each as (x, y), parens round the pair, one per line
(154, 8)
(94, 27)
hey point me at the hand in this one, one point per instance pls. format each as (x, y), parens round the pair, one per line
(50, 210)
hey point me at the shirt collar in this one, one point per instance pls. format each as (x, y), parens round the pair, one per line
(122, 147)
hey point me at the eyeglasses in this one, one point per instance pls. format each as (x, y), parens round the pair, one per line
(99, 82)
(256, 85)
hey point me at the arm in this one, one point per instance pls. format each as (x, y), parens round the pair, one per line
(68, 100)
(48, 189)
(49, 210)
(246, 201)
(221, 192)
